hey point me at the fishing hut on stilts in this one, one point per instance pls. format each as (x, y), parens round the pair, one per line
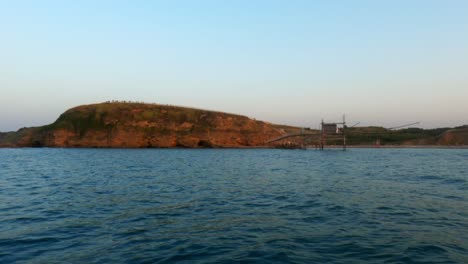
(335, 132)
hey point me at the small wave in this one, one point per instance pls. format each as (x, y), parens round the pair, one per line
(314, 219)
(454, 181)
(425, 252)
(28, 241)
(336, 208)
(453, 197)
(430, 177)
(384, 208)
(29, 219)
(281, 198)
(400, 213)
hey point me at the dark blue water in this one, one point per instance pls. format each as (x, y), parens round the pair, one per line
(222, 206)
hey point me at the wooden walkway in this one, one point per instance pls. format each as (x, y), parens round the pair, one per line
(293, 135)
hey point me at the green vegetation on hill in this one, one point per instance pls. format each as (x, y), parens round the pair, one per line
(130, 124)
(407, 136)
(379, 135)
(106, 116)
(357, 136)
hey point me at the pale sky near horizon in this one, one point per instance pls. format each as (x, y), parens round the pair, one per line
(381, 63)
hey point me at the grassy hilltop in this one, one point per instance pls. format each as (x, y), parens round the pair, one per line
(409, 136)
(139, 125)
(123, 124)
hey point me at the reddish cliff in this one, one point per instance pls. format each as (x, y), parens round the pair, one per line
(137, 125)
(455, 137)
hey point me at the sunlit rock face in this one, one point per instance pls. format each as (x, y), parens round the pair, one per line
(137, 125)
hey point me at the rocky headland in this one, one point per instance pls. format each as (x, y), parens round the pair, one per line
(140, 125)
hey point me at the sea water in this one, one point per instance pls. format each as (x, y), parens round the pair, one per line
(233, 205)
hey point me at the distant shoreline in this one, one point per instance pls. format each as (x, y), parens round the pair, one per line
(399, 146)
(268, 147)
(140, 125)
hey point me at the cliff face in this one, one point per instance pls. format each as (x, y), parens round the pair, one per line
(454, 137)
(137, 125)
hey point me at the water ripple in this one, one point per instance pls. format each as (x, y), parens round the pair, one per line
(224, 206)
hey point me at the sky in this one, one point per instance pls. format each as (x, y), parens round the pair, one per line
(383, 63)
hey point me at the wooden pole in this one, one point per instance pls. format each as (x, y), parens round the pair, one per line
(344, 133)
(321, 136)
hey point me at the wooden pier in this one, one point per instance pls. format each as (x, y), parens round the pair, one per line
(332, 135)
(335, 132)
(332, 131)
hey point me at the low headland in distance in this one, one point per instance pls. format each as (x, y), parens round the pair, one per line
(142, 125)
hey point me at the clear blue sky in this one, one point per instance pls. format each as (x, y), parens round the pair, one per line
(294, 62)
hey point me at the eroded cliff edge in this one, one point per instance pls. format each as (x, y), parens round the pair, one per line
(138, 125)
